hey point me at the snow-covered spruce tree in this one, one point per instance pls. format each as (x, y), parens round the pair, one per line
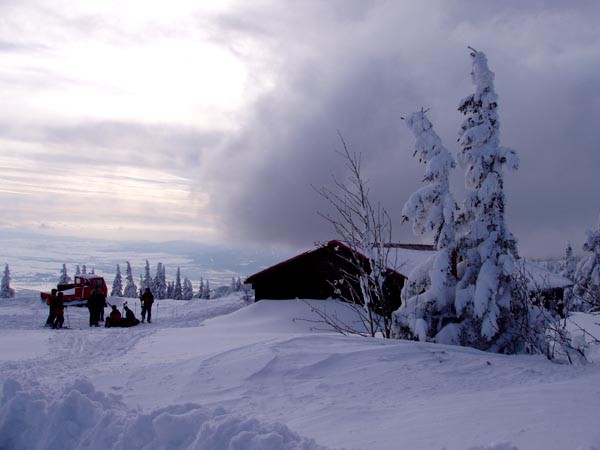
(188, 289)
(146, 282)
(201, 289)
(206, 295)
(64, 276)
(5, 290)
(587, 286)
(130, 287)
(83, 270)
(170, 288)
(77, 270)
(486, 247)
(177, 289)
(238, 284)
(117, 287)
(160, 282)
(428, 295)
(365, 230)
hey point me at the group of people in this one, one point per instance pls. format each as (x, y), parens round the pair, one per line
(96, 304)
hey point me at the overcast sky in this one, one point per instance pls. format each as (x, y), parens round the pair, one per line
(211, 120)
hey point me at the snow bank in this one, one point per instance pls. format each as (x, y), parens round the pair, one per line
(84, 418)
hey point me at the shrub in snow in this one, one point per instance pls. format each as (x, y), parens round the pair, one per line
(428, 295)
(570, 301)
(64, 276)
(117, 287)
(82, 417)
(364, 229)
(5, 290)
(587, 285)
(130, 287)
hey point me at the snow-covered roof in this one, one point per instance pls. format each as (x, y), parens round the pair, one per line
(539, 278)
(404, 260)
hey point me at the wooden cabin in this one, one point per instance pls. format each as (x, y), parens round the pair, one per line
(316, 274)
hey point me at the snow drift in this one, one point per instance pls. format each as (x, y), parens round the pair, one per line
(82, 417)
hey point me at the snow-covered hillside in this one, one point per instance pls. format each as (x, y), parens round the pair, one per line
(224, 375)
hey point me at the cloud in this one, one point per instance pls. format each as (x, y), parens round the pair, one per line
(236, 108)
(358, 67)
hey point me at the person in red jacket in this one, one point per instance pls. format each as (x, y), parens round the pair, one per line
(114, 319)
(147, 300)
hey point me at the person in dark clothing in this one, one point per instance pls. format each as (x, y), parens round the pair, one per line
(147, 300)
(95, 303)
(130, 319)
(114, 319)
(58, 309)
(50, 319)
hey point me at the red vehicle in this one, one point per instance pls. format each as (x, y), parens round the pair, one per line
(78, 292)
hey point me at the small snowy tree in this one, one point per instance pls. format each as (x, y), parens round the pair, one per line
(486, 247)
(146, 282)
(77, 270)
(238, 285)
(64, 276)
(130, 287)
(83, 270)
(587, 286)
(117, 287)
(93, 272)
(206, 295)
(428, 295)
(160, 283)
(5, 290)
(177, 289)
(188, 289)
(201, 289)
(170, 289)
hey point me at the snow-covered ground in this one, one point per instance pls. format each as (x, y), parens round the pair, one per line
(220, 374)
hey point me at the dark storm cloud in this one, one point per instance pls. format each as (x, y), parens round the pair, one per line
(357, 67)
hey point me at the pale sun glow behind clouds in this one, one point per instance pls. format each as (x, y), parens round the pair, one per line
(135, 62)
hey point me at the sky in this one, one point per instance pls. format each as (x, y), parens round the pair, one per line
(214, 121)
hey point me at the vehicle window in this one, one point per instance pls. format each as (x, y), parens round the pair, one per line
(98, 283)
